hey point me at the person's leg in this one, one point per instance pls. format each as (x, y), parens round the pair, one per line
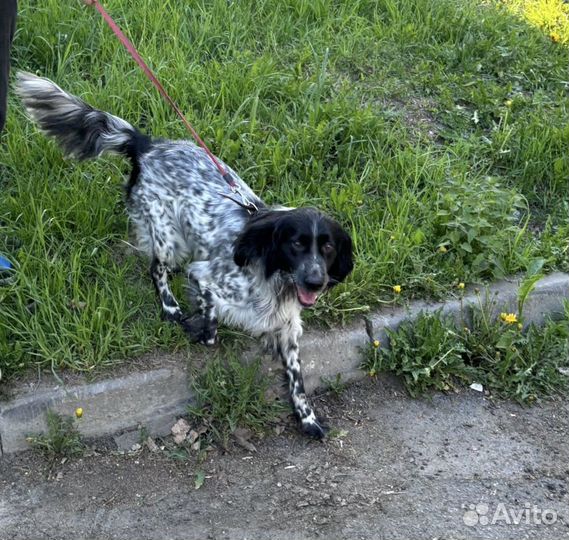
(8, 10)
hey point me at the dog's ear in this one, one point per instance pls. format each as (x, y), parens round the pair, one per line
(257, 239)
(343, 264)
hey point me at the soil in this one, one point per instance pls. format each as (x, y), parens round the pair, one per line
(394, 467)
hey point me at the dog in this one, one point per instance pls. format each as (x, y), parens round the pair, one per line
(254, 271)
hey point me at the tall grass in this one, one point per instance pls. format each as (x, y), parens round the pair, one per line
(370, 110)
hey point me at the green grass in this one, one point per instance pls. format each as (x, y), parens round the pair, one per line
(440, 352)
(231, 394)
(417, 124)
(62, 438)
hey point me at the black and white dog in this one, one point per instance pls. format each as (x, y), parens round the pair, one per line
(255, 272)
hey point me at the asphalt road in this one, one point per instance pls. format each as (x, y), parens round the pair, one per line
(451, 466)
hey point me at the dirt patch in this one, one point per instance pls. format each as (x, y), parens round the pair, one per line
(397, 468)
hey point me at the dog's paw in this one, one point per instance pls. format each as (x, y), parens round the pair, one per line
(313, 427)
(200, 330)
(174, 317)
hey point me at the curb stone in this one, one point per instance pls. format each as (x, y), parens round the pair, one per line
(154, 399)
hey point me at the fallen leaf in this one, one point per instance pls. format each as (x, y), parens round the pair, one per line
(200, 477)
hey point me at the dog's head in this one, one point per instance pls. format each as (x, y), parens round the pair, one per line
(310, 250)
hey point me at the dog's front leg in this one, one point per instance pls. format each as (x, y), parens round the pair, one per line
(288, 352)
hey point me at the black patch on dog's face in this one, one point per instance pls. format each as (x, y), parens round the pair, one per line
(307, 247)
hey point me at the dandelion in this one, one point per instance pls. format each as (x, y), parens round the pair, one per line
(376, 343)
(397, 289)
(442, 249)
(460, 285)
(555, 37)
(78, 412)
(509, 318)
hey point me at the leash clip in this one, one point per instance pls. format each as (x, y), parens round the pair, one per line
(250, 206)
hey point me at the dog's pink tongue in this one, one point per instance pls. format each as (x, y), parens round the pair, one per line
(306, 297)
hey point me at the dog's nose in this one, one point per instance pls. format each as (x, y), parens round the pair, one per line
(314, 282)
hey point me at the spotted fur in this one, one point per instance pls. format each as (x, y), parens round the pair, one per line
(254, 272)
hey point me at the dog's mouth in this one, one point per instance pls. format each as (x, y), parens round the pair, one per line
(306, 298)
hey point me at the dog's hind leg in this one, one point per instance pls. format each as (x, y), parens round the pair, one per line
(170, 307)
(202, 324)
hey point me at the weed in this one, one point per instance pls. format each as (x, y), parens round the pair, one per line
(435, 351)
(474, 219)
(231, 394)
(61, 440)
(427, 352)
(336, 386)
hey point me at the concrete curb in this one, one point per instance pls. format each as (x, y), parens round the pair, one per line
(154, 398)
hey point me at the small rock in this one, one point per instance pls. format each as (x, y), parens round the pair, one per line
(135, 447)
(242, 437)
(151, 445)
(180, 430)
(477, 386)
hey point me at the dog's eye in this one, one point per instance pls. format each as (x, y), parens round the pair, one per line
(297, 245)
(327, 248)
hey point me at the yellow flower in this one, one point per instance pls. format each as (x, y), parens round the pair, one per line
(376, 343)
(508, 103)
(509, 318)
(442, 249)
(78, 412)
(555, 37)
(397, 289)
(460, 285)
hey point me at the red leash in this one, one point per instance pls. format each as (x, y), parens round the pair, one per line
(138, 59)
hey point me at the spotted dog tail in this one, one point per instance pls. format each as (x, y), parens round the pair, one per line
(82, 131)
